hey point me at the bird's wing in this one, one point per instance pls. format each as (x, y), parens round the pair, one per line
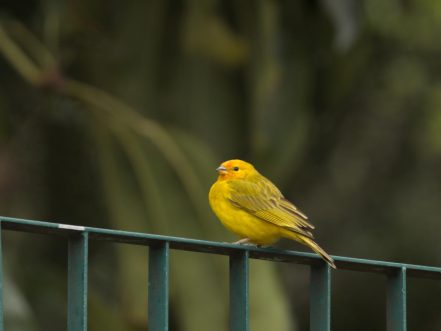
(263, 199)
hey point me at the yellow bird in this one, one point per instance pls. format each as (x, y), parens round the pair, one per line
(251, 206)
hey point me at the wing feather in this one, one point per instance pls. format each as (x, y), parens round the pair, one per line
(263, 199)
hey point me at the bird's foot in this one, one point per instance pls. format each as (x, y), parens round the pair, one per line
(243, 241)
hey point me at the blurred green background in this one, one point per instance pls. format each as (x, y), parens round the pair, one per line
(115, 114)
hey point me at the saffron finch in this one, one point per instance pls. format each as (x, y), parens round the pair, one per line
(252, 207)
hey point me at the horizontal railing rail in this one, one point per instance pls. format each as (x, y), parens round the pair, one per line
(78, 238)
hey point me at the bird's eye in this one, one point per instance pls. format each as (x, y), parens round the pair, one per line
(236, 168)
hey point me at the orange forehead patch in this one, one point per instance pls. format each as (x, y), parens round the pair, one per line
(233, 163)
(228, 164)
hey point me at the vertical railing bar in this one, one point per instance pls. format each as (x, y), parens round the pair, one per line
(77, 269)
(320, 298)
(158, 284)
(396, 301)
(239, 287)
(1, 280)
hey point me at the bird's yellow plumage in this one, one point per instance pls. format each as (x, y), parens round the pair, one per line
(252, 207)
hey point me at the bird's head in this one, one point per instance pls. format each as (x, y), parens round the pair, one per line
(235, 169)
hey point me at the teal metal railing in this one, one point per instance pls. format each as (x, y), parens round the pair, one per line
(78, 238)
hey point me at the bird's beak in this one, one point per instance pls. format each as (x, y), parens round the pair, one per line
(221, 169)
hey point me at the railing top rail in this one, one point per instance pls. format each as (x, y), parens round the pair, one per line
(204, 246)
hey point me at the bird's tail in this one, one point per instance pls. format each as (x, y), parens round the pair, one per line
(320, 251)
(314, 246)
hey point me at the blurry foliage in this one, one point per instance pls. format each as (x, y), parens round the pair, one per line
(116, 115)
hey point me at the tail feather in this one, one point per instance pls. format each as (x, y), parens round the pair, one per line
(320, 251)
(314, 246)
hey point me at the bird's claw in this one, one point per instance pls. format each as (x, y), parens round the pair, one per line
(243, 241)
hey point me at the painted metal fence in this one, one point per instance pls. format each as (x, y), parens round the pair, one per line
(78, 238)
